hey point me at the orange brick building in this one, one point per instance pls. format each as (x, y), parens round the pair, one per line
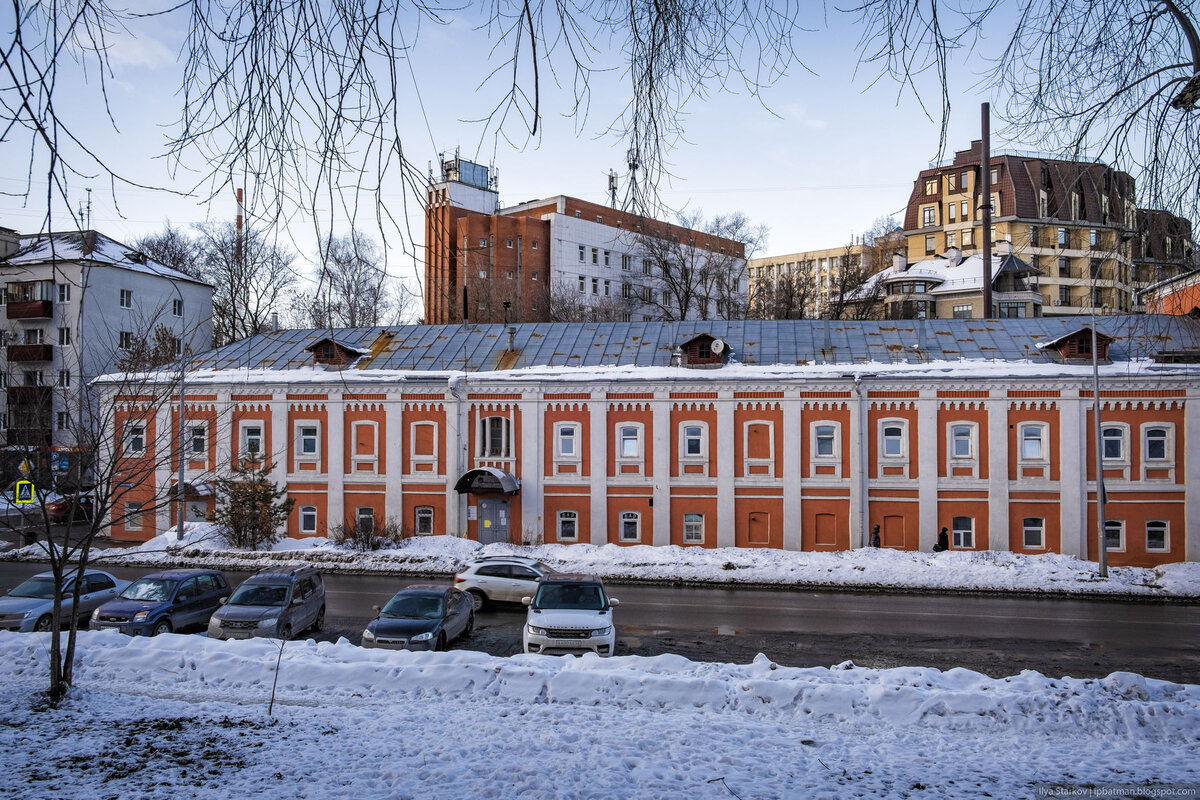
(799, 435)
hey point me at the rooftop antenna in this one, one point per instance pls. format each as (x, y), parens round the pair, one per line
(612, 188)
(633, 199)
(89, 209)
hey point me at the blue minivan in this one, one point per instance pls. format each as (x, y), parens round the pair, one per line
(162, 602)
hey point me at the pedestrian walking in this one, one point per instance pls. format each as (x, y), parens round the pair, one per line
(943, 542)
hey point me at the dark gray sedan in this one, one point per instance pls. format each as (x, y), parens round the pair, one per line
(421, 617)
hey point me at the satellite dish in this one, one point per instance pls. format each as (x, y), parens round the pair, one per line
(717, 346)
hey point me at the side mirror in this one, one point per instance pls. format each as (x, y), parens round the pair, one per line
(297, 600)
(613, 602)
(376, 609)
(527, 601)
(222, 601)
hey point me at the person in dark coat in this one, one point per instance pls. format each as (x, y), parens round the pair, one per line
(875, 536)
(943, 542)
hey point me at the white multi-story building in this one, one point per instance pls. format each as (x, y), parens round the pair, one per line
(74, 304)
(547, 259)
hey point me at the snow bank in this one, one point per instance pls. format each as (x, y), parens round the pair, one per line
(180, 716)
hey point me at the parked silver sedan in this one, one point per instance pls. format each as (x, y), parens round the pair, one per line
(30, 606)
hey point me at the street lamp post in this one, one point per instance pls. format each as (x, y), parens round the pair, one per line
(180, 511)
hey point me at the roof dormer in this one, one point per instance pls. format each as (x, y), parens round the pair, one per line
(703, 351)
(331, 353)
(1076, 346)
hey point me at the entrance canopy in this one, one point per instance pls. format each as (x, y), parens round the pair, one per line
(487, 480)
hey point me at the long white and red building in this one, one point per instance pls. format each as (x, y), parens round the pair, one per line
(800, 435)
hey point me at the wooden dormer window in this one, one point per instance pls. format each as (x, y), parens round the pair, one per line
(1077, 345)
(700, 351)
(331, 353)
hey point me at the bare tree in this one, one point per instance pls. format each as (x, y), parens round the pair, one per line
(353, 287)
(173, 247)
(251, 279)
(565, 303)
(790, 295)
(1117, 80)
(697, 267)
(304, 103)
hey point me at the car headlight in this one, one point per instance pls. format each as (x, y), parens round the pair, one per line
(423, 637)
(602, 631)
(536, 631)
(141, 616)
(368, 635)
(269, 622)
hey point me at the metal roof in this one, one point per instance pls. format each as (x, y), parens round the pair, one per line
(482, 348)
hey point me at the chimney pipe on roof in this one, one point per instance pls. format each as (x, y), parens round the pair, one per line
(512, 333)
(954, 256)
(899, 262)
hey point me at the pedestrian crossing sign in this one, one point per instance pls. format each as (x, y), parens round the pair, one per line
(24, 492)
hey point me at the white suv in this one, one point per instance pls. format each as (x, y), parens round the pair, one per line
(501, 579)
(570, 614)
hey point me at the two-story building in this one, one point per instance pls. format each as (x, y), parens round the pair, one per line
(792, 434)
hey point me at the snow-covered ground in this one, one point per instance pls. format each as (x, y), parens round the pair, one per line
(185, 716)
(868, 568)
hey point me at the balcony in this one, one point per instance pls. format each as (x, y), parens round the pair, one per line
(29, 352)
(30, 309)
(39, 438)
(29, 395)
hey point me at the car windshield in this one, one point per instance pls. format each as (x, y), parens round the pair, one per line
(583, 597)
(157, 589)
(259, 595)
(413, 606)
(40, 588)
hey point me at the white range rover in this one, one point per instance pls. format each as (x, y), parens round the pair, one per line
(570, 613)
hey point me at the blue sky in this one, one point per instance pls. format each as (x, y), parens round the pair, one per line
(816, 158)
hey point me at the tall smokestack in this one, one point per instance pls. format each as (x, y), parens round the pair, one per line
(240, 214)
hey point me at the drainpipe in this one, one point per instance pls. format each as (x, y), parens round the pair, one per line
(458, 391)
(862, 514)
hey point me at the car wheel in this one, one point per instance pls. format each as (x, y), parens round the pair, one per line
(43, 623)
(478, 599)
(319, 622)
(441, 642)
(286, 633)
(470, 624)
(162, 626)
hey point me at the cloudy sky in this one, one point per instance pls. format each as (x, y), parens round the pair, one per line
(818, 157)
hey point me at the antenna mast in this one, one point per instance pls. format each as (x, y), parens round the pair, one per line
(633, 196)
(612, 188)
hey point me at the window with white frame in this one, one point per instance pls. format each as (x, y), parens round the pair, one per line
(692, 436)
(62, 421)
(177, 307)
(364, 520)
(64, 377)
(582, 253)
(135, 439)
(631, 526)
(1157, 539)
(963, 532)
(894, 444)
(251, 443)
(629, 438)
(308, 519)
(825, 440)
(1114, 535)
(424, 519)
(198, 440)
(568, 526)
(133, 516)
(308, 440)
(64, 336)
(125, 340)
(566, 441)
(962, 441)
(693, 528)
(126, 298)
(1033, 443)
(1158, 443)
(494, 437)
(1113, 438)
(1033, 533)
(64, 293)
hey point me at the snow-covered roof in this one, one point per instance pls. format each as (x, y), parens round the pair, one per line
(423, 350)
(42, 248)
(964, 276)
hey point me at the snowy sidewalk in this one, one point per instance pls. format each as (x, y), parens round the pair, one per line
(186, 716)
(869, 568)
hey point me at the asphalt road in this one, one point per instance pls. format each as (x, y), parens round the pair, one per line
(995, 635)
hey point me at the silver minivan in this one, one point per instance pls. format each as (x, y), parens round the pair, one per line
(278, 603)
